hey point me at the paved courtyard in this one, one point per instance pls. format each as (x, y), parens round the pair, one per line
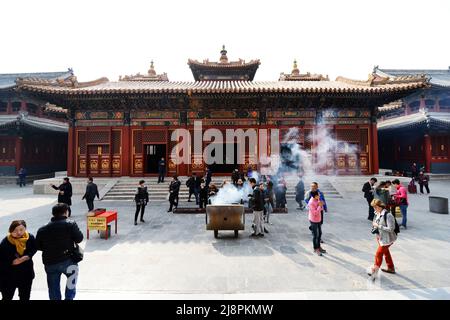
(173, 256)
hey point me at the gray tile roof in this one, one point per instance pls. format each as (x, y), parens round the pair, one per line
(8, 80)
(33, 122)
(437, 77)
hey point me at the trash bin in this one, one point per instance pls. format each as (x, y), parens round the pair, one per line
(438, 205)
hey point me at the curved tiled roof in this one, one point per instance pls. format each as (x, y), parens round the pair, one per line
(341, 85)
(24, 119)
(422, 118)
(8, 80)
(439, 78)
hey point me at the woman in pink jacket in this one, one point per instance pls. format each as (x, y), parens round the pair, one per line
(401, 199)
(315, 208)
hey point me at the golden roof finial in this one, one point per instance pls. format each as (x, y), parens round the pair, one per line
(152, 71)
(223, 57)
(295, 70)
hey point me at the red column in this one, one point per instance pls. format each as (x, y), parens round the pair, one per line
(125, 151)
(71, 151)
(23, 106)
(374, 148)
(18, 156)
(427, 152)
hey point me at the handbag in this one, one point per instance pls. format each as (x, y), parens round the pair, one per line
(77, 254)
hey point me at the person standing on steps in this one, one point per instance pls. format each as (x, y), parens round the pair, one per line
(16, 265)
(161, 170)
(208, 176)
(91, 193)
(190, 183)
(65, 193)
(141, 199)
(300, 193)
(368, 189)
(174, 190)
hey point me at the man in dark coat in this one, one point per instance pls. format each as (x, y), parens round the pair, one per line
(203, 195)
(280, 194)
(161, 170)
(57, 241)
(91, 193)
(190, 183)
(65, 193)
(235, 176)
(208, 176)
(22, 177)
(257, 204)
(174, 190)
(368, 189)
(300, 193)
(141, 199)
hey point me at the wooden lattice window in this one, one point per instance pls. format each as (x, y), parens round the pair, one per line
(364, 140)
(116, 141)
(98, 137)
(347, 135)
(439, 146)
(82, 142)
(157, 136)
(137, 141)
(3, 106)
(308, 139)
(16, 106)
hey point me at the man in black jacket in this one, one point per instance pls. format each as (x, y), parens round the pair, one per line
(91, 193)
(368, 189)
(141, 199)
(190, 183)
(161, 170)
(257, 204)
(174, 190)
(57, 241)
(65, 193)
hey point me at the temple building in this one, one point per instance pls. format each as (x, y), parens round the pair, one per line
(417, 127)
(33, 134)
(122, 128)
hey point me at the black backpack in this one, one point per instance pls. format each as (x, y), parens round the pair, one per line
(397, 227)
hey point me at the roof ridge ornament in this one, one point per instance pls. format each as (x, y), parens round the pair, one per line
(150, 76)
(223, 55)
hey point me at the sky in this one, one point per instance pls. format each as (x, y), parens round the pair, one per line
(116, 37)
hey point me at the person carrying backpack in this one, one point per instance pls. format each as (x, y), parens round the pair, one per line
(385, 228)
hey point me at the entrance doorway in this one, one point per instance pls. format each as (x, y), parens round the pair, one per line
(229, 162)
(153, 153)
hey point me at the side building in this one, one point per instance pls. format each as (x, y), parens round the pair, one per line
(417, 127)
(33, 134)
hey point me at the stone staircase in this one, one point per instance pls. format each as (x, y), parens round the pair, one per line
(125, 188)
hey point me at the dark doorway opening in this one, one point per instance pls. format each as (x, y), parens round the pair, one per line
(153, 153)
(229, 161)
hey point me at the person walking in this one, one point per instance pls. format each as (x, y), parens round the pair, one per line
(91, 193)
(368, 189)
(208, 176)
(401, 200)
(257, 204)
(174, 190)
(384, 228)
(141, 199)
(269, 200)
(190, 183)
(58, 241)
(423, 182)
(16, 261)
(65, 193)
(22, 177)
(300, 194)
(203, 195)
(315, 209)
(161, 170)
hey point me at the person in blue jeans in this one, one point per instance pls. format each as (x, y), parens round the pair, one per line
(57, 241)
(401, 198)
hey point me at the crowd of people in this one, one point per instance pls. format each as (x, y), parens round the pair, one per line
(58, 240)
